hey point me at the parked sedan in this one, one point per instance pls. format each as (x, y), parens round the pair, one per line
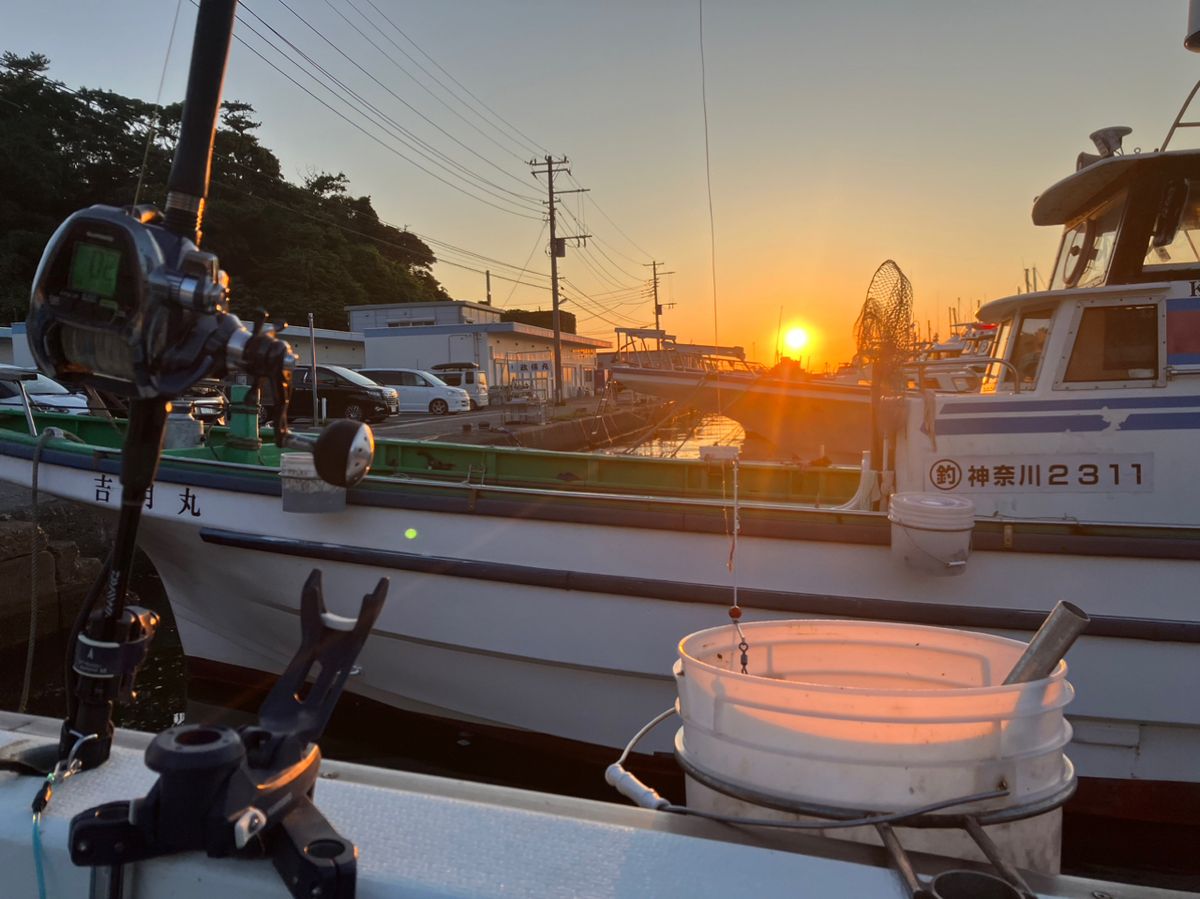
(347, 394)
(45, 394)
(421, 391)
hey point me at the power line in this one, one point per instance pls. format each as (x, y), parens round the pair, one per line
(533, 144)
(417, 81)
(528, 259)
(408, 105)
(600, 210)
(427, 150)
(616, 281)
(373, 137)
(598, 308)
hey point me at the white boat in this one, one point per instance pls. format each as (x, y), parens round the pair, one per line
(957, 364)
(532, 593)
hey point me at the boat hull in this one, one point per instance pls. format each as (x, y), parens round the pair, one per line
(543, 620)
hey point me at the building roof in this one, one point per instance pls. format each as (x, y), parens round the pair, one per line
(487, 328)
(427, 304)
(296, 332)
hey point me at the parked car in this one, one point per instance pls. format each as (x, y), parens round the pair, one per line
(46, 394)
(467, 375)
(347, 394)
(421, 391)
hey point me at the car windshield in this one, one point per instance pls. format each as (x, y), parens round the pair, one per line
(43, 386)
(434, 379)
(352, 376)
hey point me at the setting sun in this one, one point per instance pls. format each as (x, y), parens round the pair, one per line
(796, 339)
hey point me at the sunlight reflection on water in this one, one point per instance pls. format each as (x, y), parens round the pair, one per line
(682, 438)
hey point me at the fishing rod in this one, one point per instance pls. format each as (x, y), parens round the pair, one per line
(125, 302)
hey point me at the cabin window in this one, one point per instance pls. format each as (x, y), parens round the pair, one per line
(1176, 236)
(1029, 345)
(1115, 343)
(995, 371)
(1087, 247)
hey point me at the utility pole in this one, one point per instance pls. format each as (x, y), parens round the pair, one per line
(488, 277)
(558, 247)
(653, 265)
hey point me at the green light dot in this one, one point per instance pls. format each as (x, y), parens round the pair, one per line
(411, 533)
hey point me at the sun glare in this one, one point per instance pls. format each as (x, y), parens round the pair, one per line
(796, 339)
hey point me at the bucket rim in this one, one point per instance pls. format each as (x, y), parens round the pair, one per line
(685, 658)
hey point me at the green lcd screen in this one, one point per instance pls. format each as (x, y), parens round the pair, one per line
(94, 269)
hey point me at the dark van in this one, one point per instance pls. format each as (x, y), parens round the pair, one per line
(346, 393)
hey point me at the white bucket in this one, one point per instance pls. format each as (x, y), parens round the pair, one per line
(872, 716)
(303, 489)
(931, 532)
(183, 431)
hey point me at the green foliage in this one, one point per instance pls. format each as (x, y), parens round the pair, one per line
(292, 249)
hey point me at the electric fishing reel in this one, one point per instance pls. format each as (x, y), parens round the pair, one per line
(124, 305)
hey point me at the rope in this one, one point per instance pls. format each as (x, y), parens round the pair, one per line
(35, 551)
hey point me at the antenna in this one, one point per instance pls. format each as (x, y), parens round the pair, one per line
(1108, 140)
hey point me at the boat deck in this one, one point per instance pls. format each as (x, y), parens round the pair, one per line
(428, 836)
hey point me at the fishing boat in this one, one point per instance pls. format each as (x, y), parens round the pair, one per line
(959, 363)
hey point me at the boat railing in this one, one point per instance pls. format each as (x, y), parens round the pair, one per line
(1179, 122)
(922, 365)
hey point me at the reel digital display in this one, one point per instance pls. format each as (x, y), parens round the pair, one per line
(94, 270)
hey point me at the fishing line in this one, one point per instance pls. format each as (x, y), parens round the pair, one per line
(157, 106)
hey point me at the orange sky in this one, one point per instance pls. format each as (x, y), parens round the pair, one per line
(840, 134)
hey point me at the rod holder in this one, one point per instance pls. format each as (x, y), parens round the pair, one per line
(1062, 626)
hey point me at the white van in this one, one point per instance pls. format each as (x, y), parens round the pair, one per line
(468, 376)
(420, 391)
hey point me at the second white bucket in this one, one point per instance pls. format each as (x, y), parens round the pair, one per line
(931, 532)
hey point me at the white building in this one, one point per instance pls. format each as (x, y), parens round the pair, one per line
(420, 335)
(333, 347)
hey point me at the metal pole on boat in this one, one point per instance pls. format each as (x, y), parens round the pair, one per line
(1060, 629)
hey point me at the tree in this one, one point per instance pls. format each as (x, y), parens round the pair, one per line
(290, 248)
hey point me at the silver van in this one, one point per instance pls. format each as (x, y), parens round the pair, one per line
(467, 375)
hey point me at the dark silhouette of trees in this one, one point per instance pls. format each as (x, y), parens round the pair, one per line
(291, 249)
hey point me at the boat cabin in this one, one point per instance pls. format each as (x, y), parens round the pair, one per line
(1089, 391)
(1119, 312)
